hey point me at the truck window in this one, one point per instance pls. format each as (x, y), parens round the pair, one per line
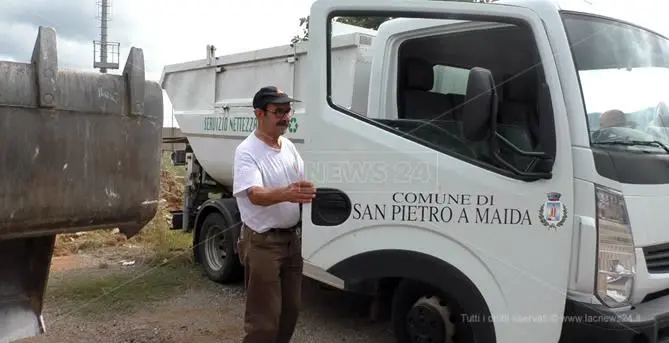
(431, 74)
(623, 71)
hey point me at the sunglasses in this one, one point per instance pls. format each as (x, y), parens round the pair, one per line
(281, 112)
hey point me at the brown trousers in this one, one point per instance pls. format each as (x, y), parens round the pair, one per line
(273, 278)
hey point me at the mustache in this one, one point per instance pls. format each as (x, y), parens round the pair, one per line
(282, 123)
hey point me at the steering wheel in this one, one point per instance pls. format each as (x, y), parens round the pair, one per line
(616, 133)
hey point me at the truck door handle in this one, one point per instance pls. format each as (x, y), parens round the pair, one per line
(330, 207)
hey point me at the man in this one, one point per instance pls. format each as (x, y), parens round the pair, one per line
(269, 187)
(613, 118)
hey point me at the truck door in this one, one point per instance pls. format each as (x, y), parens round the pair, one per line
(416, 182)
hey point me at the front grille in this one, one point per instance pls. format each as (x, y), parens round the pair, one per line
(657, 258)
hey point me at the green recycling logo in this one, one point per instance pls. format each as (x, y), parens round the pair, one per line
(292, 125)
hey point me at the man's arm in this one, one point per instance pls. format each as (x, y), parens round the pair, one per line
(248, 182)
(264, 196)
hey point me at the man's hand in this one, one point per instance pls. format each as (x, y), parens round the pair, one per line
(300, 192)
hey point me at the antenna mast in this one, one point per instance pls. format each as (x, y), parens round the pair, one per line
(105, 53)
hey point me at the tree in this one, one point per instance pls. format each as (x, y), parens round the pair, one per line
(366, 22)
(304, 35)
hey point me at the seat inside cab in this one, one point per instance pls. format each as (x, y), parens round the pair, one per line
(433, 73)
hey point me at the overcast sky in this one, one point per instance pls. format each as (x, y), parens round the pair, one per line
(169, 31)
(172, 31)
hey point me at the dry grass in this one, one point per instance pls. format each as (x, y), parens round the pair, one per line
(163, 261)
(99, 294)
(156, 241)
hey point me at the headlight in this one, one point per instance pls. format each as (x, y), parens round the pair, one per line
(615, 249)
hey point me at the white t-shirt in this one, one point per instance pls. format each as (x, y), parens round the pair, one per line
(258, 164)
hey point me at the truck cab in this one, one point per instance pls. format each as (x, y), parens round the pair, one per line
(501, 183)
(501, 200)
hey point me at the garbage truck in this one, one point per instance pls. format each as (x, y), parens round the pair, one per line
(79, 151)
(493, 172)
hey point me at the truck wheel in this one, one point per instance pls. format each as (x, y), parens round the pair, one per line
(419, 314)
(216, 250)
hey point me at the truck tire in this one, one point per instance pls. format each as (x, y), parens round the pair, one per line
(216, 250)
(419, 314)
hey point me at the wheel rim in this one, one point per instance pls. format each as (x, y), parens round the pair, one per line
(428, 321)
(215, 247)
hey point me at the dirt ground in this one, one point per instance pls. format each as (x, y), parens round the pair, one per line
(95, 298)
(146, 289)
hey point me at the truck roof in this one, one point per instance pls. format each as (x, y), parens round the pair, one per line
(600, 8)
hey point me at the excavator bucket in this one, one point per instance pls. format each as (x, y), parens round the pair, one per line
(78, 151)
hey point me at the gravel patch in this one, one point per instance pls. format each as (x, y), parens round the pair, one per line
(209, 312)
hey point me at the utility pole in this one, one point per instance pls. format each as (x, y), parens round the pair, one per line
(105, 53)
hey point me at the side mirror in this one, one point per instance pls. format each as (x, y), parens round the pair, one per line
(480, 123)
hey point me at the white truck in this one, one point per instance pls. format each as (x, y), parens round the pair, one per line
(461, 167)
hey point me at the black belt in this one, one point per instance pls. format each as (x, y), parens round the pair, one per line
(284, 230)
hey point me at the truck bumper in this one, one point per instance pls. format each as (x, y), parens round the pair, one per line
(646, 323)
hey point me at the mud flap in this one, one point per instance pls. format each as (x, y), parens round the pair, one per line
(78, 150)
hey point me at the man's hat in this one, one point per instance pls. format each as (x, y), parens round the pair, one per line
(271, 95)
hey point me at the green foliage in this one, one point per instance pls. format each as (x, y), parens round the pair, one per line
(304, 35)
(366, 22)
(108, 292)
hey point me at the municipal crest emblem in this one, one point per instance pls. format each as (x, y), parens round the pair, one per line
(553, 213)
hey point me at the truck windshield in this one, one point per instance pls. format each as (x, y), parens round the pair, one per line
(624, 75)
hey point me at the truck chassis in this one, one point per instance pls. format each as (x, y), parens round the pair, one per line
(210, 213)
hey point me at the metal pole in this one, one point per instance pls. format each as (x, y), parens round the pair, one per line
(103, 35)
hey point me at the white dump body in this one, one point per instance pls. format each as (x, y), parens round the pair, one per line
(212, 97)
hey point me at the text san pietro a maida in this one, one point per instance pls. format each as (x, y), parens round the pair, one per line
(442, 208)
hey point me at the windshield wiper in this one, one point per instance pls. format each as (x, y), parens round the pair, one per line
(633, 142)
